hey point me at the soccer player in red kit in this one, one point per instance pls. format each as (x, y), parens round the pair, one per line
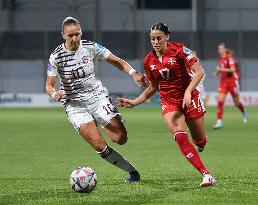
(166, 68)
(229, 75)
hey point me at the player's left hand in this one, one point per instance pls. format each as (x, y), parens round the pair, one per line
(124, 102)
(187, 99)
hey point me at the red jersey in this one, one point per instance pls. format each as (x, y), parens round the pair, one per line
(170, 72)
(226, 62)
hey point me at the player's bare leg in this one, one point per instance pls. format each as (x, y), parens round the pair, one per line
(241, 107)
(118, 134)
(220, 106)
(116, 130)
(197, 130)
(175, 122)
(89, 131)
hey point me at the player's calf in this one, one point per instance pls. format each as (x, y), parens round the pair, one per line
(113, 157)
(116, 130)
(119, 137)
(189, 151)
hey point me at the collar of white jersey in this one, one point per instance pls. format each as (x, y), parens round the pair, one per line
(63, 45)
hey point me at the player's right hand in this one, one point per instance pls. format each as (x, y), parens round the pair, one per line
(58, 95)
(187, 100)
(124, 102)
(140, 79)
(144, 81)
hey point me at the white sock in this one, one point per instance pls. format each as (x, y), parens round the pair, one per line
(219, 121)
(113, 157)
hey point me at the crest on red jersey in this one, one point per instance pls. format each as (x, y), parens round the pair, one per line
(152, 67)
(171, 61)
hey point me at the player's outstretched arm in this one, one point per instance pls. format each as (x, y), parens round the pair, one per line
(146, 94)
(125, 67)
(50, 88)
(216, 72)
(230, 70)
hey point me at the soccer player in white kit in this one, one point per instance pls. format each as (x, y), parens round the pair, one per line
(86, 100)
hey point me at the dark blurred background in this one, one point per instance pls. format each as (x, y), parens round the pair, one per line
(30, 30)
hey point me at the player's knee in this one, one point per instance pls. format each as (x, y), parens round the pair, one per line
(120, 138)
(120, 141)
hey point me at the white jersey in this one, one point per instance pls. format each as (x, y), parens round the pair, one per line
(76, 71)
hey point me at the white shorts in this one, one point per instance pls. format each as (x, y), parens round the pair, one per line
(102, 111)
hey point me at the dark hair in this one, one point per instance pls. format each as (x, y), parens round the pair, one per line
(69, 21)
(228, 51)
(161, 27)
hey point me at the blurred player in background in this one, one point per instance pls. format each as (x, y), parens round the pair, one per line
(166, 68)
(86, 101)
(229, 76)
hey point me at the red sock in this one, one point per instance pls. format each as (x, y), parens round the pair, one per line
(201, 143)
(189, 151)
(220, 107)
(241, 107)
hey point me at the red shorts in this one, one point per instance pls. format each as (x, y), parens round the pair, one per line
(195, 111)
(229, 85)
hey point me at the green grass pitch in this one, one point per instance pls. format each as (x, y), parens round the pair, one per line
(39, 149)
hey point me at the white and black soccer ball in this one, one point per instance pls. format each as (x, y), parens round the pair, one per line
(83, 180)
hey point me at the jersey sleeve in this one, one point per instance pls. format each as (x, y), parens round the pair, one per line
(187, 56)
(231, 60)
(101, 52)
(52, 67)
(147, 69)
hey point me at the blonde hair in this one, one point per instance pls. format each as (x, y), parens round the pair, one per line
(69, 21)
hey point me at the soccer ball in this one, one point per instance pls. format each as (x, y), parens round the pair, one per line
(83, 179)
